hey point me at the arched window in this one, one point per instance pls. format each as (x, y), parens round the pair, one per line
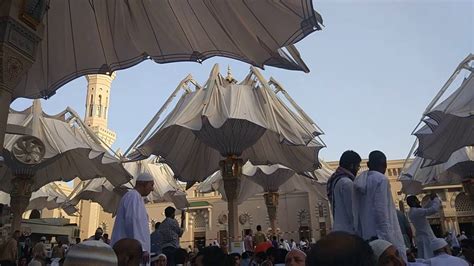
(91, 106)
(99, 111)
(462, 203)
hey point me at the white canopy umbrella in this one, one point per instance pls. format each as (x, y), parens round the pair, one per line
(450, 125)
(247, 188)
(229, 122)
(272, 180)
(60, 148)
(48, 197)
(166, 189)
(101, 36)
(225, 118)
(458, 168)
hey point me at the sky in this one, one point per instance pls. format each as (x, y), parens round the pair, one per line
(375, 66)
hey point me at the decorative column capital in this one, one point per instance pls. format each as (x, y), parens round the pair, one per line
(18, 48)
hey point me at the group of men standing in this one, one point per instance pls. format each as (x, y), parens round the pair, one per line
(362, 205)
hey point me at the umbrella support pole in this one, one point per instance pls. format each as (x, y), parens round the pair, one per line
(271, 201)
(5, 99)
(231, 169)
(20, 198)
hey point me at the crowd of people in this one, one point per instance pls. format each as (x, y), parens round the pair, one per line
(367, 230)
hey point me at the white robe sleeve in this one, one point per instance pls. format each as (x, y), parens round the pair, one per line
(382, 224)
(432, 208)
(136, 221)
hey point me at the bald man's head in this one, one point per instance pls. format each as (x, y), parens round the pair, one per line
(128, 251)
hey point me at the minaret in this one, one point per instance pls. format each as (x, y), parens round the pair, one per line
(97, 106)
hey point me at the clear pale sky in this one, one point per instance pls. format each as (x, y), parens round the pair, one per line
(374, 68)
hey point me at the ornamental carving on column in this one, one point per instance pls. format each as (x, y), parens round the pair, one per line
(222, 218)
(14, 69)
(18, 47)
(29, 150)
(245, 218)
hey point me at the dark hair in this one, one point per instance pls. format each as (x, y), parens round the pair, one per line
(376, 159)
(169, 211)
(279, 255)
(235, 254)
(411, 200)
(231, 258)
(212, 256)
(246, 255)
(259, 228)
(180, 256)
(274, 238)
(269, 251)
(157, 225)
(341, 249)
(106, 236)
(349, 158)
(261, 255)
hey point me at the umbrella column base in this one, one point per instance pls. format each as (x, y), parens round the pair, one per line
(231, 169)
(20, 198)
(271, 201)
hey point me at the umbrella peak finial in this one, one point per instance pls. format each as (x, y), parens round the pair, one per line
(229, 77)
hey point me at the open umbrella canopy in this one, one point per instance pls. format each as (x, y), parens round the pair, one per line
(166, 189)
(225, 118)
(449, 126)
(458, 168)
(70, 150)
(101, 36)
(47, 197)
(271, 178)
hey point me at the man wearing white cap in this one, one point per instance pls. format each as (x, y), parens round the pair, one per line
(443, 255)
(132, 219)
(386, 254)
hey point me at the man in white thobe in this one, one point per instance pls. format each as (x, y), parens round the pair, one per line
(443, 256)
(132, 219)
(375, 215)
(340, 191)
(424, 233)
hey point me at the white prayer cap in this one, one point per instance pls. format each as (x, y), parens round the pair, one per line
(438, 243)
(91, 252)
(379, 246)
(145, 177)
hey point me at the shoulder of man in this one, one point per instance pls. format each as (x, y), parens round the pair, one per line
(377, 177)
